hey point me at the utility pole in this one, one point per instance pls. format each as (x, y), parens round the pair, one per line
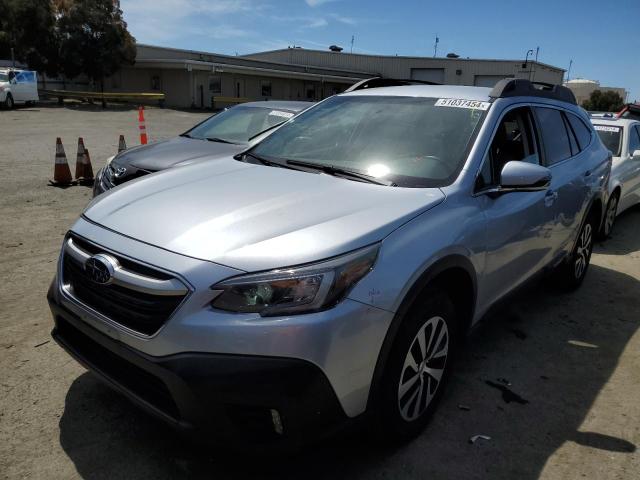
(13, 59)
(569, 71)
(352, 39)
(435, 47)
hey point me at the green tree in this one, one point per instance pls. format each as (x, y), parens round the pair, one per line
(93, 39)
(608, 101)
(29, 28)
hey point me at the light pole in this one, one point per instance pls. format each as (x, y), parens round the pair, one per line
(526, 61)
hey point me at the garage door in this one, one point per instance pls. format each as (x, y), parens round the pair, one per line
(488, 80)
(435, 75)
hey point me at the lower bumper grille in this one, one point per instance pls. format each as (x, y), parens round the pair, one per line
(140, 382)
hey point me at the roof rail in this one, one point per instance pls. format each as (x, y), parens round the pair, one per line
(519, 87)
(376, 82)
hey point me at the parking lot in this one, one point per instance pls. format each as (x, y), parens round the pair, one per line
(552, 378)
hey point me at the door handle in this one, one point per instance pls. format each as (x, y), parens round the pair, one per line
(550, 197)
(587, 173)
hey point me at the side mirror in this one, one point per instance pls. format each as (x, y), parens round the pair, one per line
(517, 176)
(636, 155)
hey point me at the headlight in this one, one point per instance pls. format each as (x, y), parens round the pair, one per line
(298, 289)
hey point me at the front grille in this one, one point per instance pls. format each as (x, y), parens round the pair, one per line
(138, 381)
(131, 174)
(139, 311)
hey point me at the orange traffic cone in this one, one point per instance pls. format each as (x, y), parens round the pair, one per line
(143, 128)
(121, 144)
(87, 169)
(80, 159)
(61, 171)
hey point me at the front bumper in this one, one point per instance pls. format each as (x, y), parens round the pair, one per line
(235, 397)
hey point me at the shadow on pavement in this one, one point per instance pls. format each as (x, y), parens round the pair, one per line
(553, 351)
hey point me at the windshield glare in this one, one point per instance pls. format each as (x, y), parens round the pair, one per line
(611, 137)
(240, 124)
(408, 140)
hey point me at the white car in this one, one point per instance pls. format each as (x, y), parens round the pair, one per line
(18, 86)
(622, 137)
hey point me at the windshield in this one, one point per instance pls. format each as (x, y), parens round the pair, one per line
(611, 137)
(4, 77)
(412, 141)
(240, 124)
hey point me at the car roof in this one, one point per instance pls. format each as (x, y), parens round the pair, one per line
(430, 91)
(613, 121)
(279, 105)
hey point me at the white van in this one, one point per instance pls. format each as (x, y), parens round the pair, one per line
(18, 86)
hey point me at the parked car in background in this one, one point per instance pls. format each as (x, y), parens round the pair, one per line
(622, 137)
(18, 87)
(331, 270)
(229, 132)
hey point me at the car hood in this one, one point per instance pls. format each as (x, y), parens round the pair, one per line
(254, 217)
(167, 153)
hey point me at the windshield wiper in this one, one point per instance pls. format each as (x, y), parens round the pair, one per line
(265, 130)
(344, 172)
(220, 140)
(269, 163)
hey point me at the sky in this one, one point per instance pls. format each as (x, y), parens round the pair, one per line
(601, 37)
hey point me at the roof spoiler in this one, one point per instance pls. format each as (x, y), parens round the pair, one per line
(519, 87)
(377, 82)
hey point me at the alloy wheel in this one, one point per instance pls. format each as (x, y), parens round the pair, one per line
(610, 215)
(423, 368)
(583, 250)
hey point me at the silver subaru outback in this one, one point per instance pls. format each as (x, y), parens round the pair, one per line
(330, 271)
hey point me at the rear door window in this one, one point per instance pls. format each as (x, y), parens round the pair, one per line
(554, 135)
(581, 131)
(572, 138)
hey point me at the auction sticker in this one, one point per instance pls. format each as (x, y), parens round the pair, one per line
(606, 128)
(278, 113)
(461, 103)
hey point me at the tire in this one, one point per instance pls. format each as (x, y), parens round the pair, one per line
(571, 273)
(609, 217)
(412, 387)
(8, 102)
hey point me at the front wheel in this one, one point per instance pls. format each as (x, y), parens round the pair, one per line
(570, 274)
(609, 217)
(8, 103)
(418, 366)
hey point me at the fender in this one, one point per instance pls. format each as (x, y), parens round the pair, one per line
(440, 266)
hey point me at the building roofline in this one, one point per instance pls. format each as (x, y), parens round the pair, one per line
(255, 70)
(408, 57)
(234, 58)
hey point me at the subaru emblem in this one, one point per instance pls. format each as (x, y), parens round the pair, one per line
(120, 171)
(100, 268)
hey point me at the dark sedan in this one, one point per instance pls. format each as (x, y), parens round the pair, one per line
(226, 133)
